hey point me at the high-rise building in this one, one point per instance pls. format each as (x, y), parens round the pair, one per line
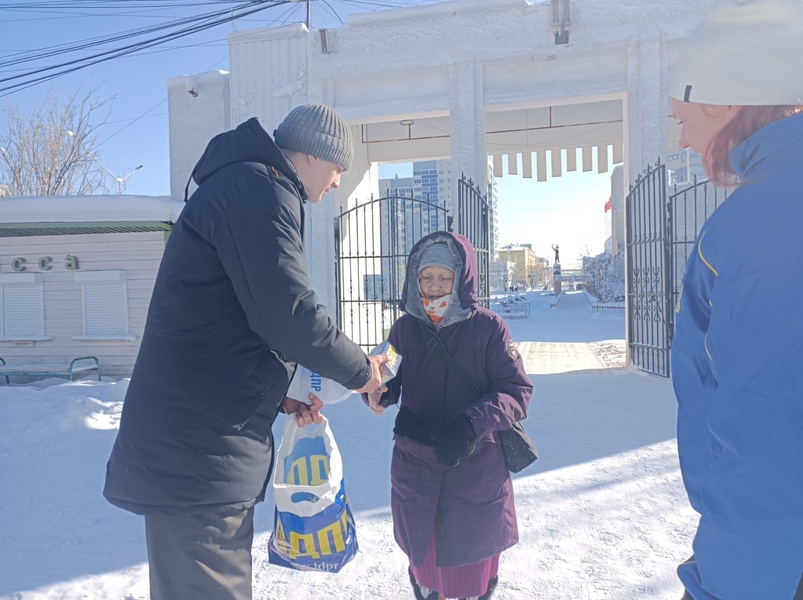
(432, 182)
(684, 166)
(493, 213)
(397, 186)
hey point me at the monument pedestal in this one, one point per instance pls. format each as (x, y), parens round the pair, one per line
(556, 278)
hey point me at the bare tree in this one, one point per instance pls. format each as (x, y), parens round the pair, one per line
(51, 151)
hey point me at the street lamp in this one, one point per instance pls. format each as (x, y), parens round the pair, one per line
(120, 180)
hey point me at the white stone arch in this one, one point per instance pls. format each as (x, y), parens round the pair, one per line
(461, 70)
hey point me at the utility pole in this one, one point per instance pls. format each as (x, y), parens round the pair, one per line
(309, 11)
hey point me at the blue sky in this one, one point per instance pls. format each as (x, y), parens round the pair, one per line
(137, 129)
(568, 210)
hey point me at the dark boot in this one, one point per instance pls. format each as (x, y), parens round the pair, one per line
(419, 595)
(490, 591)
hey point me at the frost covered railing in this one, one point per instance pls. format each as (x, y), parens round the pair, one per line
(609, 306)
(511, 307)
(82, 364)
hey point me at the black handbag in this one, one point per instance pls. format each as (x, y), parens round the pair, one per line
(517, 447)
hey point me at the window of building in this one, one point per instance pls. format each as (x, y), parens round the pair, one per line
(22, 307)
(105, 305)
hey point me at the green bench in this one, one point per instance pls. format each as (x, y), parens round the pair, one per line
(79, 365)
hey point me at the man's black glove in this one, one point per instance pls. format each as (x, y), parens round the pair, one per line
(455, 441)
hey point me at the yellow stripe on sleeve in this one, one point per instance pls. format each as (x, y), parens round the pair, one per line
(700, 252)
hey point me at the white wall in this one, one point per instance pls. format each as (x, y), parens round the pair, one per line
(460, 60)
(199, 109)
(138, 254)
(464, 67)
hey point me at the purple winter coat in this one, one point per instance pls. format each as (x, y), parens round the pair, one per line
(469, 507)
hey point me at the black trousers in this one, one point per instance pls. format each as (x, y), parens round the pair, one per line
(200, 557)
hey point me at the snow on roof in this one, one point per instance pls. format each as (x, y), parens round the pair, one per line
(92, 209)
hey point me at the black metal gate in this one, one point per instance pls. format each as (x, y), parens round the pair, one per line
(662, 229)
(473, 221)
(650, 308)
(372, 242)
(688, 209)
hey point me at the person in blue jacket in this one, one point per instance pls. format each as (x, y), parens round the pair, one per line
(737, 354)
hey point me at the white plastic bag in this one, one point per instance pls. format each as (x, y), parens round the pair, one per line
(305, 382)
(313, 529)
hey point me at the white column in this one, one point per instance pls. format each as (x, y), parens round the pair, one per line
(467, 125)
(646, 107)
(646, 116)
(198, 108)
(268, 73)
(357, 185)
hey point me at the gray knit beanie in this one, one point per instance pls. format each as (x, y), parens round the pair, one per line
(438, 254)
(317, 130)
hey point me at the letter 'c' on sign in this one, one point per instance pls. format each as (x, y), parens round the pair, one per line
(18, 264)
(44, 263)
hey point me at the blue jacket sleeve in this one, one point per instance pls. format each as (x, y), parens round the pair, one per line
(748, 543)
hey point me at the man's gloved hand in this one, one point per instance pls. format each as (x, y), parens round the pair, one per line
(455, 441)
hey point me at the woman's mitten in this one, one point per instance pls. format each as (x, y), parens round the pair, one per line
(455, 441)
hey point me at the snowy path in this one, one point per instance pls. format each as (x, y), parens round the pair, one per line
(602, 513)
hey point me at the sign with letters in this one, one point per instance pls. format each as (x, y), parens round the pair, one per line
(21, 264)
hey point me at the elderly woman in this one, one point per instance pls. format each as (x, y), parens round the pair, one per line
(452, 496)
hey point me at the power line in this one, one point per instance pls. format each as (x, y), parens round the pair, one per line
(192, 25)
(333, 11)
(227, 11)
(60, 49)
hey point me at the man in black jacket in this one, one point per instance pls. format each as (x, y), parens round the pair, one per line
(231, 314)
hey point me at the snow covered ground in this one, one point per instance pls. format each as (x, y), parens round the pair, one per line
(602, 513)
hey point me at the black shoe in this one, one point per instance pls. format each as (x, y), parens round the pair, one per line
(490, 591)
(419, 595)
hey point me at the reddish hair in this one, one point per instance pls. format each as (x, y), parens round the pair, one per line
(747, 121)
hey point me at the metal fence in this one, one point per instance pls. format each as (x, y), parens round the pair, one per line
(511, 307)
(473, 221)
(372, 242)
(663, 226)
(649, 317)
(689, 207)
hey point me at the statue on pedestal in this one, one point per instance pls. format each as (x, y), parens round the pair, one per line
(556, 248)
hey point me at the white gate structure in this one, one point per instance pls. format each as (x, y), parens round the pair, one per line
(548, 83)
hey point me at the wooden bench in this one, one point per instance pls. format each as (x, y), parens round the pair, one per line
(82, 364)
